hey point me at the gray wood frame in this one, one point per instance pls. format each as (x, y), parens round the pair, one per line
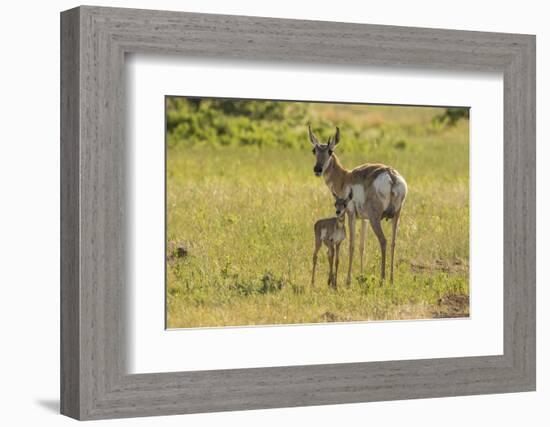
(94, 382)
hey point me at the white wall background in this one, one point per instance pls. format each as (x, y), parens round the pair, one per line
(29, 212)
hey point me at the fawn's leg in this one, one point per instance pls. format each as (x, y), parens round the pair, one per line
(330, 262)
(394, 224)
(315, 251)
(351, 223)
(337, 261)
(377, 228)
(362, 242)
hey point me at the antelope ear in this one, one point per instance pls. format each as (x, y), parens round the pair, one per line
(334, 194)
(312, 137)
(334, 140)
(350, 194)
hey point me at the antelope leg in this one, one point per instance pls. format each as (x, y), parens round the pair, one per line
(315, 251)
(330, 263)
(337, 262)
(377, 228)
(362, 242)
(394, 224)
(351, 224)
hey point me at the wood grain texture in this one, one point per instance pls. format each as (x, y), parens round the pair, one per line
(70, 221)
(95, 274)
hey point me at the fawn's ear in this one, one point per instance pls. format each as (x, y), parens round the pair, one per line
(334, 194)
(312, 137)
(350, 196)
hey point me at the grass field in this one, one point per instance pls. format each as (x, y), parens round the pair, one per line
(240, 226)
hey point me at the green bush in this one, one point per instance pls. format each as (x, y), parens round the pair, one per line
(452, 115)
(282, 124)
(224, 122)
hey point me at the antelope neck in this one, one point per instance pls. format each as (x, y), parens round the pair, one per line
(335, 176)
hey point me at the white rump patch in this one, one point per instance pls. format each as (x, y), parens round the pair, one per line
(399, 191)
(382, 185)
(358, 196)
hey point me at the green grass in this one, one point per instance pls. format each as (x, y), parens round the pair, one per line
(245, 216)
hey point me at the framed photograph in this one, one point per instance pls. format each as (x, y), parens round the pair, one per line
(261, 213)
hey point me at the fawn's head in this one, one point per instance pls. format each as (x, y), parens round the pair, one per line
(322, 152)
(342, 204)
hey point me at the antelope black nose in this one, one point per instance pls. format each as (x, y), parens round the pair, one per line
(317, 169)
(338, 212)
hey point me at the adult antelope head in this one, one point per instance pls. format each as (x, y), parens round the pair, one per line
(323, 152)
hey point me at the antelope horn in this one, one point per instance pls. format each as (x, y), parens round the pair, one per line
(312, 137)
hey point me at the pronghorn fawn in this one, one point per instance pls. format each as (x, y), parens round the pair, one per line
(331, 232)
(378, 193)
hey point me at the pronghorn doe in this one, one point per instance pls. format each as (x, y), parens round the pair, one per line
(331, 232)
(378, 192)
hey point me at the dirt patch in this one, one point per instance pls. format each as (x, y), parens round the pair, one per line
(451, 306)
(176, 250)
(329, 316)
(446, 266)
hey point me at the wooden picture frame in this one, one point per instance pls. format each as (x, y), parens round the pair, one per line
(94, 382)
